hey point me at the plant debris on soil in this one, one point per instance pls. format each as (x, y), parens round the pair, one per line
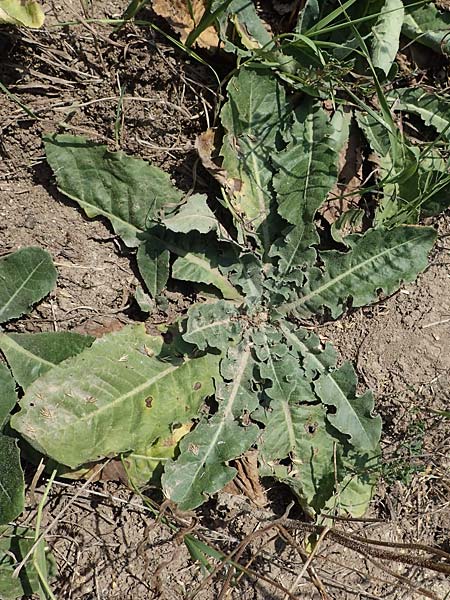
(136, 92)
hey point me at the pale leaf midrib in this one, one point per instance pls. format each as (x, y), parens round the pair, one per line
(20, 288)
(228, 410)
(286, 308)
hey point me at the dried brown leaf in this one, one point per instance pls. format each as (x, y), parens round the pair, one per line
(179, 16)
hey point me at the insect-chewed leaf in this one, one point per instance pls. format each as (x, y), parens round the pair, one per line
(385, 36)
(113, 397)
(27, 276)
(300, 432)
(252, 117)
(294, 249)
(212, 325)
(425, 24)
(353, 414)
(307, 168)
(12, 485)
(8, 397)
(201, 468)
(194, 215)
(129, 192)
(30, 355)
(378, 260)
(145, 465)
(286, 379)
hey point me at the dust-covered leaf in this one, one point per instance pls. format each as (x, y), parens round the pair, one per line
(252, 117)
(433, 109)
(8, 397)
(122, 393)
(307, 169)
(128, 191)
(300, 433)
(30, 355)
(385, 36)
(378, 260)
(352, 414)
(212, 325)
(202, 469)
(193, 215)
(12, 485)
(26, 276)
(427, 25)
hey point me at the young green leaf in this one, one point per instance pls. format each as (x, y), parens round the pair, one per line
(114, 397)
(30, 355)
(27, 276)
(129, 192)
(199, 267)
(252, 117)
(352, 414)
(378, 260)
(153, 264)
(12, 485)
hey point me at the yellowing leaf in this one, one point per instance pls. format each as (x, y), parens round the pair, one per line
(20, 12)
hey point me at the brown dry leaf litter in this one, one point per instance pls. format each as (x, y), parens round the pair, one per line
(178, 14)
